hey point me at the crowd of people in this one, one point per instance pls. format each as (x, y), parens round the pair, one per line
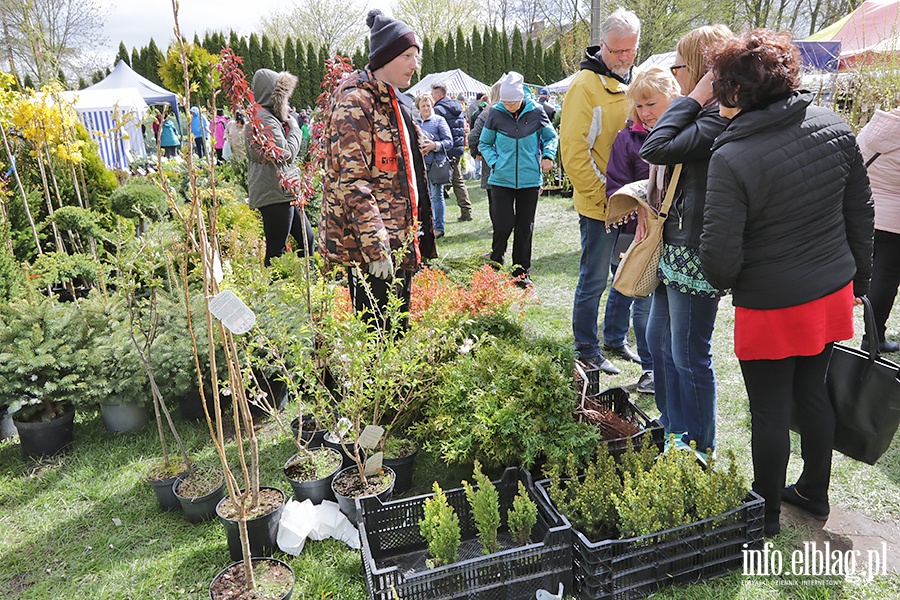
(770, 203)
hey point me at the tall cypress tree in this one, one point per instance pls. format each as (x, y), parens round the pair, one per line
(136, 62)
(505, 53)
(312, 80)
(359, 59)
(265, 53)
(439, 56)
(476, 62)
(209, 43)
(122, 54)
(301, 72)
(61, 77)
(540, 76)
(463, 51)
(529, 69)
(517, 53)
(233, 40)
(242, 49)
(154, 60)
(277, 59)
(451, 60)
(427, 58)
(253, 60)
(489, 55)
(197, 41)
(553, 62)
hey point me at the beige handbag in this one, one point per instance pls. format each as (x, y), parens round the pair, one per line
(636, 276)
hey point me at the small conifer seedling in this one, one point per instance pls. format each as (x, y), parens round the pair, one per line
(522, 517)
(440, 528)
(485, 502)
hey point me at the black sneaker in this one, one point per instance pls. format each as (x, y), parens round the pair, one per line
(885, 346)
(817, 510)
(645, 383)
(466, 216)
(600, 362)
(623, 351)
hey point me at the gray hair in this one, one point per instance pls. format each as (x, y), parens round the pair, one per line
(621, 21)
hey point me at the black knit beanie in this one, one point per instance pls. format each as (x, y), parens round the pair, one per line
(388, 39)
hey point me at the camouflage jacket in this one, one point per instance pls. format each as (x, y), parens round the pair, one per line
(367, 207)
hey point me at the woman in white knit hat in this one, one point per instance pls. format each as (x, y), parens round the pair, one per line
(518, 144)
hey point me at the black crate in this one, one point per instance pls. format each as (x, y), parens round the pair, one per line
(637, 567)
(394, 552)
(618, 401)
(589, 377)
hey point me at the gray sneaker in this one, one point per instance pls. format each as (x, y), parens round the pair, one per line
(645, 383)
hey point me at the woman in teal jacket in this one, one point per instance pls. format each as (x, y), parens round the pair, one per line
(517, 143)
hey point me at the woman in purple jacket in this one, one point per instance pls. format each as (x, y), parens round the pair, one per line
(650, 93)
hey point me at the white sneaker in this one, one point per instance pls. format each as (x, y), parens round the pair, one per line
(645, 383)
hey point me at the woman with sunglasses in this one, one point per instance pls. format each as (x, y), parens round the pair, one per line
(683, 309)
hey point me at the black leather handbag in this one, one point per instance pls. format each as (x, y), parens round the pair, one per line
(865, 392)
(439, 173)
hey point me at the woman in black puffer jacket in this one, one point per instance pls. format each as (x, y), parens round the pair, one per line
(788, 226)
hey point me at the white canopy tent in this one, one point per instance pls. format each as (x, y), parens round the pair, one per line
(113, 119)
(457, 82)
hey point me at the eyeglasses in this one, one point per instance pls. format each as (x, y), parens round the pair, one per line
(620, 52)
(674, 68)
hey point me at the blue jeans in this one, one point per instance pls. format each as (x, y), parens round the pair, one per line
(615, 323)
(596, 246)
(679, 333)
(436, 192)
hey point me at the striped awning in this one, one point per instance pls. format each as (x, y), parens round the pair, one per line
(113, 120)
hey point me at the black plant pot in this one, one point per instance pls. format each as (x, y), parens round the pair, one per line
(201, 508)
(165, 495)
(331, 441)
(312, 439)
(48, 437)
(276, 391)
(226, 572)
(315, 491)
(191, 407)
(348, 504)
(403, 469)
(261, 531)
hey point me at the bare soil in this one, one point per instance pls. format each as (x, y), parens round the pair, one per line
(269, 501)
(319, 464)
(273, 581)
(199, 483)
(350, 484)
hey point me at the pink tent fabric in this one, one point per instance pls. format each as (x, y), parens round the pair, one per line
(871, 30)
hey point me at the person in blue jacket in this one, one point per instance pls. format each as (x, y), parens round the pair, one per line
(518, 144)
(200, 131)
(169, 138)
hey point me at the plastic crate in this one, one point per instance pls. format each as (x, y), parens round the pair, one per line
(618, 401)
(592, 376)
(394, 552)
(637, 567)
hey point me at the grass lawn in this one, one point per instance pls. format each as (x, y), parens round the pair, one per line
(59, 540)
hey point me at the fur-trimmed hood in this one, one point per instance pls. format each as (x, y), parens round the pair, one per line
(273, 91)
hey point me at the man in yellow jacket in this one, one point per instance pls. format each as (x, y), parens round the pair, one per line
(594, 111)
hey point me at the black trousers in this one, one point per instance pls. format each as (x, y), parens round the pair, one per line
(370, 296)
(780, 390)
(512, 211)
(885, 276)
(281, 220)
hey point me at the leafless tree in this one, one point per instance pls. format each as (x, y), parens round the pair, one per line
(320, 22)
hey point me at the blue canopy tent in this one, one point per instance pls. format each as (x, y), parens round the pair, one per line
(124, 76)
(819, 56)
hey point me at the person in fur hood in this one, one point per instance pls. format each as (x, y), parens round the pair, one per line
(280, 218)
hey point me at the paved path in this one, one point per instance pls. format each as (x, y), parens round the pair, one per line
(849, 530)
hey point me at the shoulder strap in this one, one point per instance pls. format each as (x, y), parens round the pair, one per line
(670, 191)
(871, 160)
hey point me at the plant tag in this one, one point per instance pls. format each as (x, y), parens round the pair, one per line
(370, 436)
(373, 464)
(231, 310)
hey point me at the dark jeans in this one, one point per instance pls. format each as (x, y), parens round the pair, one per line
(170, 151)
(781, 390)
(200, 147)
(885, 276)
(370, 295)
(281, 220)
(615, 322)
(512, 211)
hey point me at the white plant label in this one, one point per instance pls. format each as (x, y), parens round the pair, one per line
(370, 436)
(231, 310)
(373, 464)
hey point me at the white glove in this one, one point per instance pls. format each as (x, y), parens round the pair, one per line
(382, 269)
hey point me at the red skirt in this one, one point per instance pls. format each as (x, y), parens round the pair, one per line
(801, 330)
